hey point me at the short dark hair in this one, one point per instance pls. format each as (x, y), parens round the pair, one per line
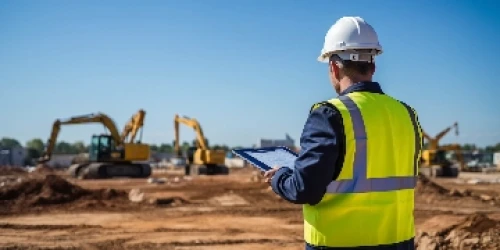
(362, 68)
(354, 67)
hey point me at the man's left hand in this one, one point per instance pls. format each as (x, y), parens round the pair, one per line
(268, 175)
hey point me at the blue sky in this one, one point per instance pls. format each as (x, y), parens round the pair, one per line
(245, 69)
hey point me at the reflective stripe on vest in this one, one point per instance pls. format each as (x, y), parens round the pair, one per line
(361, 183)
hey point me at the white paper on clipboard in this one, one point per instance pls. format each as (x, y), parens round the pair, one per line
(278, 157)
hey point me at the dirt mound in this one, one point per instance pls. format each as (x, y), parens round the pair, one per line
(8, 170)
(429, 187)
(477, 223)
(429, 192)
(50, 190)
(43, 169)
(476, 231)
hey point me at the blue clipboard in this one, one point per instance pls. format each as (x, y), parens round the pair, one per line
(268, 157)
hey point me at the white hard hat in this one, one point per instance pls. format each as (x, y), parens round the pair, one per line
(347, 37)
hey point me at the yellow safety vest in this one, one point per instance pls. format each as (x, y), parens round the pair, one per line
(371, 202)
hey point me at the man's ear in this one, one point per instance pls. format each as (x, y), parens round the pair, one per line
(334, 68)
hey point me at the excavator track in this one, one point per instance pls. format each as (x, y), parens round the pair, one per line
(109, 170)
(207, 170)
(440, 171)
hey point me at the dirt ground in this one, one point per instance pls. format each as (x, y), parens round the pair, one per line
(48, 210)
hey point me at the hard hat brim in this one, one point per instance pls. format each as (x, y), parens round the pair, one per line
(322, 59)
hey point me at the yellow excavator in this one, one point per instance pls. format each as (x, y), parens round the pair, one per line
(200, 159)
(435, 156)
(110, 155)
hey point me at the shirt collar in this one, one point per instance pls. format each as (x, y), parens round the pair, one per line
(372, 87)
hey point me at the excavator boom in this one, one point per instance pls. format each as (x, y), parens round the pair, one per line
(444, 132)
(84, 119)
(133, 126)
(192, 123)
(434, 142)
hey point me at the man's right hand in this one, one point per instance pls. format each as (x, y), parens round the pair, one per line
(268, 175)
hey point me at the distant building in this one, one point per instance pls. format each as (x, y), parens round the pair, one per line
(61, 160)
(234, 163)
(287, 142)
(161, 156)
(496, 159)
(12, 156)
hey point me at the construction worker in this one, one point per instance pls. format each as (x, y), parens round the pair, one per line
(356, 171)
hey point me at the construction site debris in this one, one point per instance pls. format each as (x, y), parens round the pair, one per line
(476, 231)
(6, 180)
(229, 199)
(172, 201)
(158, 180)
(49, 190)
(136, 195)
(43, 169)
(479, 181)
(9, 170)
(476, 181)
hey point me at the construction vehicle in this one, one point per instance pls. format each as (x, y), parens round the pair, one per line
(110, 155)
(480, 161)
(436, 158)
(200, 159)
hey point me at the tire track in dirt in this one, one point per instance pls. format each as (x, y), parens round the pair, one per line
(122, 243)
(181, 230)
(45, 227)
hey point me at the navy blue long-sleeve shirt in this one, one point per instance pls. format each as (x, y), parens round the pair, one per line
(321, 158)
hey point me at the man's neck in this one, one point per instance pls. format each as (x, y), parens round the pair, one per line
(346, 82)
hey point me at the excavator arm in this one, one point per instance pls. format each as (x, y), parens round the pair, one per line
(192, 123)
(444, 132)
(426, 136)
(92, 118)
(434, 142)
(133, 126)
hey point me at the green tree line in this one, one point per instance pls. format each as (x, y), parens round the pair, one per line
(36, 146)
(471, 146)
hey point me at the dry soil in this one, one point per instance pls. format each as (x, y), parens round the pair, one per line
(48, 210)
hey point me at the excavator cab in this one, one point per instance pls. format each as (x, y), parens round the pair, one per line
(190, 159)
(442, 164)
(440, 158)
(103, 149)
(190, 154)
